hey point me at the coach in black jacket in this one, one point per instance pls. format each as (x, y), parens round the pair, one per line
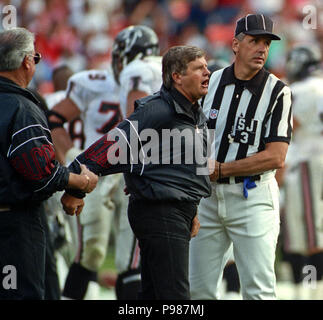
(28, 171)
(165, 180)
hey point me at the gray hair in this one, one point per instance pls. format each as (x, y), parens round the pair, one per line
(240, 36)
(15, 44)
(176, 60)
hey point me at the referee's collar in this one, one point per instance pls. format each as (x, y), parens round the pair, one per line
(252, 85)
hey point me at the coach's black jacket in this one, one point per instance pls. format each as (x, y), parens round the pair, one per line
(28, 171)
(162, 180)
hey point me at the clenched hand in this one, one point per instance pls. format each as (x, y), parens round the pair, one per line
(195, 227)
(72, 205)
(213, 169)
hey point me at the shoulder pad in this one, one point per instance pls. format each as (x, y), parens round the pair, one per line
(142, 68)
(94, 80)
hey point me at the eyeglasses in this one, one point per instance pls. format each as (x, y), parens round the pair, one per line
(36, 57)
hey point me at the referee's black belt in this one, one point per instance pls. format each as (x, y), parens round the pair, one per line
(4, 208)
(238, 179)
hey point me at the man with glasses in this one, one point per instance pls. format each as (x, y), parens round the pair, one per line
(29, 172)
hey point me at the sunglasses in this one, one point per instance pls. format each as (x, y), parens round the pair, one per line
(36, 57)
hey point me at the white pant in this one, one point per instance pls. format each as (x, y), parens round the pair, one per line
(127, 254)
(251, 225)
(303, 214)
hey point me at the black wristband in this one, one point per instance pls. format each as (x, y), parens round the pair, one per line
(76, 193)
(56, 114)
(52, 125)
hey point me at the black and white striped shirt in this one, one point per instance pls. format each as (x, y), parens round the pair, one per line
(246, 114)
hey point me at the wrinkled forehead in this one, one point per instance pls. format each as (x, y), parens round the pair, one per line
(258, 37)
(197, 62)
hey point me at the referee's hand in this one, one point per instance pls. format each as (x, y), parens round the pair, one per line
(195, 227)
(213, 169)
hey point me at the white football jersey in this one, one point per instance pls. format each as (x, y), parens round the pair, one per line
(143, 75)
(307, 105)
(96, 94)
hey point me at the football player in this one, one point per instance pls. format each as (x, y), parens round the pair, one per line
(94, 96)
(303, 204)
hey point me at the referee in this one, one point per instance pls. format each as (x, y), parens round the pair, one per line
(250, 111)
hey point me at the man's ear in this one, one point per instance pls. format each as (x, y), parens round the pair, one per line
(235, 45)
(177, 78)
(26, 63)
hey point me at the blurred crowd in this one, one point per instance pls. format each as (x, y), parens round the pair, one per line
(80, 33)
